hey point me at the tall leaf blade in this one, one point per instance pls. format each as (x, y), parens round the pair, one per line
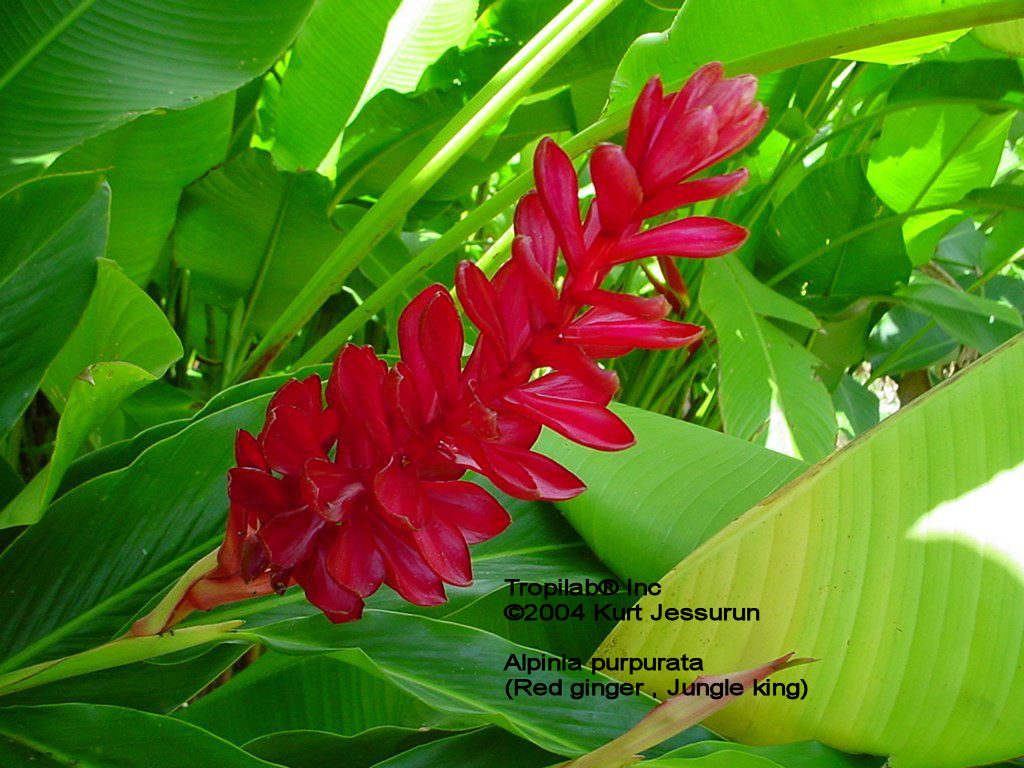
(147, 163)
(318, 94)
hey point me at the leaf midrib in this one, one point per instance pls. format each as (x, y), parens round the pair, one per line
(27, 57)
(51, 236)
(945, 161)
(757, 320)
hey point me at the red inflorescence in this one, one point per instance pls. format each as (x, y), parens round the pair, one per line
(365, 488)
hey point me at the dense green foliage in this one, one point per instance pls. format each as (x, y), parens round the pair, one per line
(199, 200)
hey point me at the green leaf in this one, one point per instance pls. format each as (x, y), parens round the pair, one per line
(318, 93)
(898, 564)
(315, 749)
(988, 79)
(723, 759)
(904, 51)
(419, 32)
(1004, 244)
(679, 466)
(59, 735)
(840, 344)
(972, 320)
(935, 154)
(118, 455)
(52, 231)
(462, 670)
(1007, 37)
(249, 231)
(768, 389)
(930, 155)
(393, 128)
(115, 456)
(107, 547)
(856, 407)
(826, 225)
(147, 163)
(806, 754)
(478, 749)
(152, 686)
(905, 340)
(120, 324)
(93, 397)
(126, 60)
(389, 48)
(322, 693)
(781, 33)
(158, 404)
(10, 482)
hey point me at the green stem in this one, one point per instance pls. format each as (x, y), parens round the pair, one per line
(510, 84)
(653, 386)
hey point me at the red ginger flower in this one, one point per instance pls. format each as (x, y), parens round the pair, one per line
(365, 489)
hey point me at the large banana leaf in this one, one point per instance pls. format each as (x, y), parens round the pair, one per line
(899, 563)
(772, 34)
(71, 70)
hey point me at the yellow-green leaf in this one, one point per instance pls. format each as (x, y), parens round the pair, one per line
(898, 562)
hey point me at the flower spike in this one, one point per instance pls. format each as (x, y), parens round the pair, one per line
(364, 486)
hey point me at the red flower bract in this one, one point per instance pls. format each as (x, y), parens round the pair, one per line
(361, 486)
